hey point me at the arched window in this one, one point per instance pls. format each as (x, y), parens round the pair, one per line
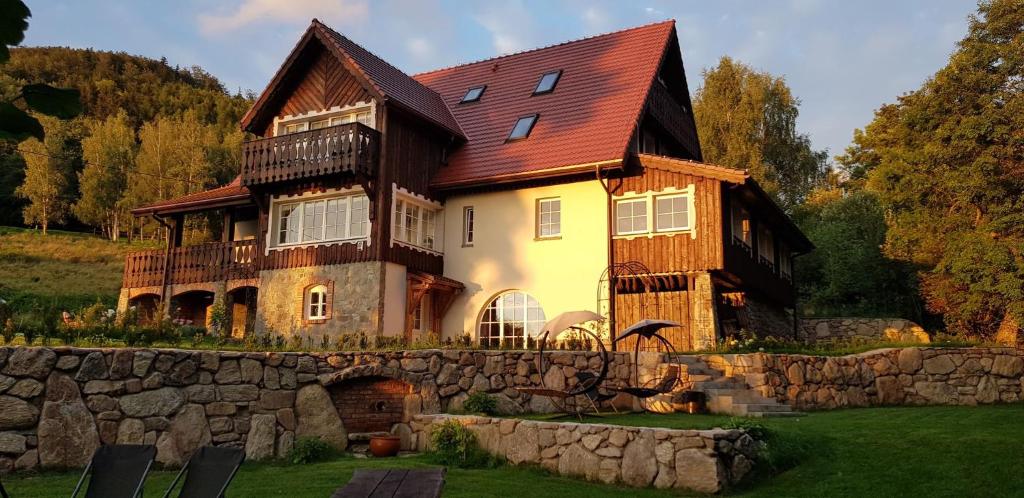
(317, 302)
(509, 319)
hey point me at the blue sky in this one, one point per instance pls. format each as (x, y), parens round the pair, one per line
(842, 58)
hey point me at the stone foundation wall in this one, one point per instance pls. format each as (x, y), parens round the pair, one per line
(706, 461)
(902, 376)
(889, 329)
(768, 320)
(355, 300)
(57, 405)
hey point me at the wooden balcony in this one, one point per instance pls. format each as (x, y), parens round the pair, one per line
(193, 264)
(348, 148)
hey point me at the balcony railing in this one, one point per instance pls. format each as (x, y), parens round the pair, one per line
(351, 148)
(193, 264)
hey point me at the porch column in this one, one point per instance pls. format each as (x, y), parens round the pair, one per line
(703, 319)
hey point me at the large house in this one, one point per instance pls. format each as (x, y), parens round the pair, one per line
(478, 200)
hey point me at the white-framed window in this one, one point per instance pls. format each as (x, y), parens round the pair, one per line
(631, 216)
(415, 224)
(671, 212)
(467, 226)
(337, 218)
(317, 300)
(740, 224)
(765, 245)
(323, 120)
(509, 319)
(549, 218)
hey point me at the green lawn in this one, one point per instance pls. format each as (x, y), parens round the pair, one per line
(70, 269)
(923, 451)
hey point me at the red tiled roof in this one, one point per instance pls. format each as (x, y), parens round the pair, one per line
(589, 117)
(393, 83)
(230, 194)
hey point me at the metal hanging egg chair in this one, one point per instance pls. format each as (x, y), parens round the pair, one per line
(646, 331)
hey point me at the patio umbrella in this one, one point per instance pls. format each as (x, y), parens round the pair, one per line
(647, 328)
(568, 319)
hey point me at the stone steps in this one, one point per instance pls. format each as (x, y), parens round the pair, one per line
(727, 394)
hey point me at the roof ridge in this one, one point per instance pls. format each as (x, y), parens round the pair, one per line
(543, 47)
(334, 33)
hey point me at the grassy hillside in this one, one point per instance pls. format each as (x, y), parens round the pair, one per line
(66, 269)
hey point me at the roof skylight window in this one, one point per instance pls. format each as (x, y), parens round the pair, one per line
(522, 127)
(473, 94)
(547, 82)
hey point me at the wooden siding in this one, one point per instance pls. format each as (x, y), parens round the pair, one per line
(411, 155)
(666, 305)
(324, 83)
(673, 118)
(742, 268)
(680, 252)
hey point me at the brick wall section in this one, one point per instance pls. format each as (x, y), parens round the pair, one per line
(370, 404)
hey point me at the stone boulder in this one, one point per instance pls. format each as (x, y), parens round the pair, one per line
(317, 417)
(30, 362)
(577, 461)
(156, 403)
(523, 447)
(188, 431)
(259, 444)
(698, 471)
(16, 413)
(639, 463)
(67, 432)
(909, 360)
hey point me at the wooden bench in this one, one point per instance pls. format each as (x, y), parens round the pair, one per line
(393, 483)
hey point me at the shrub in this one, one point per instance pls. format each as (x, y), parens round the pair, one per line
(455, 445)
(777, 452)
(309, 450)
(480, 402)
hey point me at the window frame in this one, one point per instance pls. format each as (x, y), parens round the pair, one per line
(331, 116)
(539, 212)
(468, 226)
(406, 208)
(765, 257)
(321, 307)
(747, 241)
(299, 204)
(499, 320)
(646, 216)
(688, 199)
(480, 95)
(558, 77)
(535, 117)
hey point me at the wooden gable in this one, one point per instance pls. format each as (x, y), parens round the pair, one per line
(316, 82)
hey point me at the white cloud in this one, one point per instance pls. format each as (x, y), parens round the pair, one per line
(419, 47)
(282, 12)
(596, 19)
(510, 24)
(653, 12)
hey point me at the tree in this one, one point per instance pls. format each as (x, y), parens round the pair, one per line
(848, 274)
(109, 154)
(746, 119)
(49, 168)
(17, 123)
(947, 164)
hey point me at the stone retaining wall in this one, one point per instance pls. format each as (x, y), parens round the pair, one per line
(699, 460)
(902, 376)
(58, 404)
(888, 329)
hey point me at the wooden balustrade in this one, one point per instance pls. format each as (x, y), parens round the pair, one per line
(351, 148)
(193, 264)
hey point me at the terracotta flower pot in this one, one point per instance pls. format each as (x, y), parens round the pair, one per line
(385, 446)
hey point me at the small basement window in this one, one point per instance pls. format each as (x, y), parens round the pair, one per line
(522, 127)
(547, 82)
(473, 94)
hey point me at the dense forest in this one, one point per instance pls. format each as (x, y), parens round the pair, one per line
(148, 131)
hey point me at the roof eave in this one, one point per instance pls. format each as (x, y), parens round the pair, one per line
(545, 174)
(194, 206)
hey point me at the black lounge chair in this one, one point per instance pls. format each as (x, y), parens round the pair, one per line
(209, 472)
(118, 470)
(594, 394)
